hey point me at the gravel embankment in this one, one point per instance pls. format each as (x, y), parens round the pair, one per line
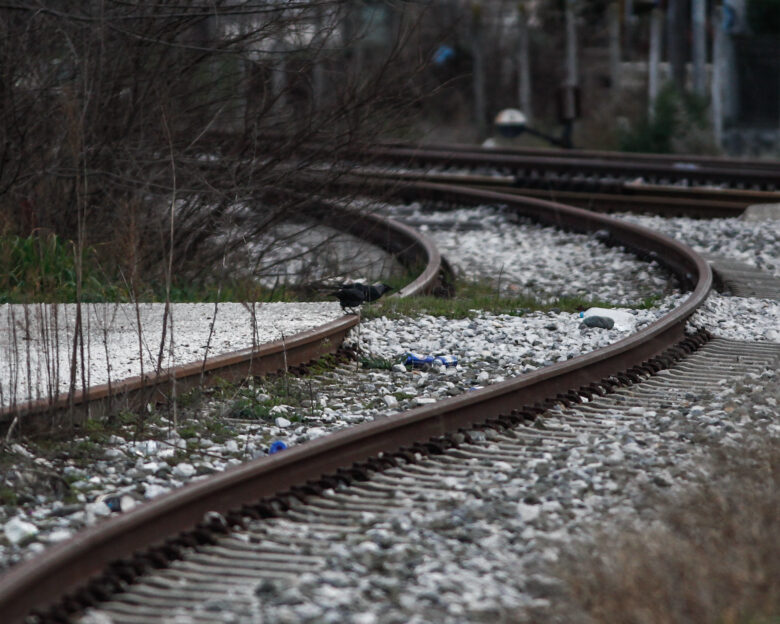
(36, 340)
(487, 550)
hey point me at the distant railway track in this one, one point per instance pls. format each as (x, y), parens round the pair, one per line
(107, 559)
(695, 186)
(610, 170)
(664, 201)
(686, 160)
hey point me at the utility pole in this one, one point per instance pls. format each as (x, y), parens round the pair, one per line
(698, 21)
(569, 92)
(656, 25)
(613, 17)
(718, 53)
(523, 62)
(478, 72)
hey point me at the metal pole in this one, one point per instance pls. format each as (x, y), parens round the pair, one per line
(480, 107)
(571, 45)
(698, 19)
(718, 51)
(524, 63)
(656, 19)
(613, 17)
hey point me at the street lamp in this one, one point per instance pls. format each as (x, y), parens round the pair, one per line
(511, 123)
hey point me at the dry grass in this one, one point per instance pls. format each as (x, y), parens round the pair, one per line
(714, 557)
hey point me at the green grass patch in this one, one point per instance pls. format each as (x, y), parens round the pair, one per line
(377, 363)
(8, 497)
(471, 299)
(43, 268)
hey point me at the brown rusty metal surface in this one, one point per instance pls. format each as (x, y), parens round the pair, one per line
(42, 581)
(671, 201)
(735, 165)
(559, 162)
(413, 249)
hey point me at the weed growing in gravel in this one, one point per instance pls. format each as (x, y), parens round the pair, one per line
(377, 363)
(42, 268)
(474, 297)
(8, 497)
(714, 555)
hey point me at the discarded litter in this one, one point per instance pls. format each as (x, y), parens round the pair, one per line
(415, 359)
(117, 502)
(276, 446)
(421, 361)
(447, 360)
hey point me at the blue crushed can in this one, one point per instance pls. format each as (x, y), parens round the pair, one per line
(447, 360)
(276, 447)
(415, 359)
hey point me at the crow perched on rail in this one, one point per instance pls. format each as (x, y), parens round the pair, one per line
(353, 295)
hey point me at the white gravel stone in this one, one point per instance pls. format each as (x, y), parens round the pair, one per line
(282, 422)
(153, 490)
(192, 338)
(184, 470)
(390, 401)
(17, 530)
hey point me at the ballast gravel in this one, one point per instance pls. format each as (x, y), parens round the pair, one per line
(754, 242)
(36, 340)
(486, 550)
(518, 256)
(424, 588)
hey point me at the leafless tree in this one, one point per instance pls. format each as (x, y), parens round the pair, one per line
(101, 100)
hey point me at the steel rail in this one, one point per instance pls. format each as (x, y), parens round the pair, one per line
(413, 249)
(560, 163)
(65, 567)
(736, 164)
(669, 202)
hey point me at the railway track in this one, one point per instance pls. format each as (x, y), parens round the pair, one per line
(666, 201)
(276, 542)
(588, 172)
(602, 181)
(118, 551)
(412, 249)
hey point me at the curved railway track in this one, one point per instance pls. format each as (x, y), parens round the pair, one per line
(591, 172)
(275, 542)
(665, 201)
(412, 249)
(105, 560)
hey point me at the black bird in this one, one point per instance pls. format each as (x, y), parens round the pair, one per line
(353, 295)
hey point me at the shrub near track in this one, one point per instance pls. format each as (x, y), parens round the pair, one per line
(712, 556)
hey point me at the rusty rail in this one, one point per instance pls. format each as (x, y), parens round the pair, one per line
(716, 173)
(669, 202)
(735, 164)
(413, 249)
